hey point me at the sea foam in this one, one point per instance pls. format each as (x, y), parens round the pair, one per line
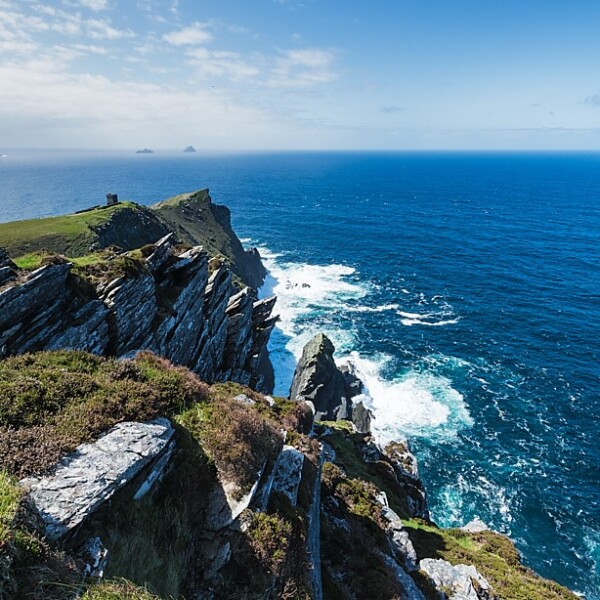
(412, 403)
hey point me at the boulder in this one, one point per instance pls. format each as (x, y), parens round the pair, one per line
(458, 582)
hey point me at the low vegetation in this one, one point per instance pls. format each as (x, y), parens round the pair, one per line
(494, 556)
(235, 437)
(54, 401)
(66, 234)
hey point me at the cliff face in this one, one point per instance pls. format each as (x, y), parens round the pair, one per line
(172, 304)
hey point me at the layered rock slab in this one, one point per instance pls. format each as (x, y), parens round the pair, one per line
(82, 481)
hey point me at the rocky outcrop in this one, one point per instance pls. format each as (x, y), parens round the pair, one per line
(328, 389)
(457, 582)
(168, 303)
(86, 479)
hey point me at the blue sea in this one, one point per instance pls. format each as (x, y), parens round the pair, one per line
(465, 287)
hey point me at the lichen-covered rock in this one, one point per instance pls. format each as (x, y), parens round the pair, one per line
(458, 582)
(288, 473)
(85, 479)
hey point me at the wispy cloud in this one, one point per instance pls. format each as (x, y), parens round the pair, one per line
(102, 29)
(217, 63)
(303, 68)
(96, 5)
(195, 34)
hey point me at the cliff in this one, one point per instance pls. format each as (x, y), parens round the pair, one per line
(177, 304)
(139, 461)
(134, 479)
(194, 218)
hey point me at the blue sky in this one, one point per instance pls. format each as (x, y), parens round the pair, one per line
(315, 74)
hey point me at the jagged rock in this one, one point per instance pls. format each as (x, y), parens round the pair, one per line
(410, 589)
(317, 379)
(226, 504)
(132, 303)
(329, 389)
(288, 473)
(85, 479)
(400, 542)
(475, 526)
(161, 253)
(354, 385)
(459, 582)
(407, 472)
(361, 417)
(166, 303)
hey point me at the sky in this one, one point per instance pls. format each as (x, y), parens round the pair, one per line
(291, 75)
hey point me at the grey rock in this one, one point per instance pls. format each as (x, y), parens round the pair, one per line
(361, 417)
(288, 473)
(409, 587)
(225, 503)
(85, 479)
(317, 379)
(475, 526)
(464, 582)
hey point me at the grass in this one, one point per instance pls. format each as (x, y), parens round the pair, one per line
(10, 497)
(494, 556)
(35, 260)
(63, 234)
(117, 590)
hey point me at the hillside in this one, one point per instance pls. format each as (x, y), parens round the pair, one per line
(194, 219)
(177, 489)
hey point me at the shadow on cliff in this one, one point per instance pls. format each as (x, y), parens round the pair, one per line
(161, 541)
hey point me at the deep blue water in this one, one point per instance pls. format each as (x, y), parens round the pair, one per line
(466, 287)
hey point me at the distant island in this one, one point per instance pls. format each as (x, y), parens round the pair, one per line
(190, 149)
(145, 151)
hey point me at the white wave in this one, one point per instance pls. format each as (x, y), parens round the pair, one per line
(464, 495)
(416, 404)
(413, 404)
(373, 309)
(427, 319)
(307, 296)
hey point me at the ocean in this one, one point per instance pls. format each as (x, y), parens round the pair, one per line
(464, 286)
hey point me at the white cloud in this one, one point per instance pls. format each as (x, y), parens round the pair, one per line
(84, 110)
(95, 5)
(194, 34)
(303, 68)
(217, 63)
(101, 29)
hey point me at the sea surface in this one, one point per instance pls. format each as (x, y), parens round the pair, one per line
(465, 287)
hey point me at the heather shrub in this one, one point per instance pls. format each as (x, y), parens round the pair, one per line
(54, 401)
